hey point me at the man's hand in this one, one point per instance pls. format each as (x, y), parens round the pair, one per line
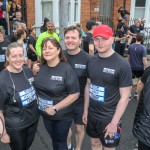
(111, 129)
(5, 139)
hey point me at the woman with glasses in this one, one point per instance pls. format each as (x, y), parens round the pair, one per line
(57, 87)
(18, 102)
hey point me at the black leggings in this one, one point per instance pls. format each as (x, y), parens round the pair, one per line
(22, 139)
(142, 146)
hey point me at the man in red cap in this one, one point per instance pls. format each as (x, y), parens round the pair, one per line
(107, 91)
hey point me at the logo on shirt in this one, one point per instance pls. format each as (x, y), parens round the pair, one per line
(110, 71)
(31, 79)
(57, 78)
(80, 66)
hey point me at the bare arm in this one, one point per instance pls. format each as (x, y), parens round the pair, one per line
(111, 128)
(86, 101)
(145, 62)
(32, 48)
(140, 87)
(62, 104)
(5, 138)
(91, 49)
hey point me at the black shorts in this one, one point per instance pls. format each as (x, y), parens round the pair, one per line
(78, 112)
(96, 129)
(137, 73)
(31, 55)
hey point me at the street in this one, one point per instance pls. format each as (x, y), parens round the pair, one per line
(43, 142)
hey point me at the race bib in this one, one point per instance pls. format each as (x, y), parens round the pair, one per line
(97, 93)
(43, 104)
(27, 96)
(2, 58)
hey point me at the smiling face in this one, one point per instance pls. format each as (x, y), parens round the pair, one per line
(72, 40)
(50, 52)
(15, 59)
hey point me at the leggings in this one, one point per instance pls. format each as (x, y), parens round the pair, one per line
(142, 146)
(22, 139)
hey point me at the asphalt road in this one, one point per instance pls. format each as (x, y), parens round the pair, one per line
(43, 142)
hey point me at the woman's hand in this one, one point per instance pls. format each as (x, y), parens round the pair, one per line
(50, 111)
(36, 68)
(5, 138)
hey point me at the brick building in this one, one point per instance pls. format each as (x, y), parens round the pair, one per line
(82, 10)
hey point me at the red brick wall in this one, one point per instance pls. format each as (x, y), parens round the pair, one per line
(30, 11)
(117, 4)
(87, 11)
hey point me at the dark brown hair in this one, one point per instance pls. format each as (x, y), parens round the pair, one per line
(20, 32)
(56, 44)
(30, 29)
(72, 28)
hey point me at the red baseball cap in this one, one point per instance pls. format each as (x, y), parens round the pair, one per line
(103, 30)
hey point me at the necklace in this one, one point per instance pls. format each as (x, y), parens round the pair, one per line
(14, 87)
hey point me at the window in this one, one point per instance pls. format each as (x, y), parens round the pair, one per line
(139, 8)
(76, 11)
(47, 9)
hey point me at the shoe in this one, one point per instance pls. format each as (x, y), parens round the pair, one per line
(130, 98)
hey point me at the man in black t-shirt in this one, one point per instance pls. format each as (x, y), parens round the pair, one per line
(88, 44)
(3, 46)
(78, 59)
(134, 30)
(107, 91)
(122, 22)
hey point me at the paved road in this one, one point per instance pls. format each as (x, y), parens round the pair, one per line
(43, 141)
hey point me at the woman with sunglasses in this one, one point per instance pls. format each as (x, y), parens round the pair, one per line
(18, 102)
(57, 87)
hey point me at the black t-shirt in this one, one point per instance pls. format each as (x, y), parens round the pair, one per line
(107, 75)
(79, 64)
(134, 29)
(119, 26)
(87, 41)
(31, 40)
(120, 34)
(53, 84)
(3, 47)
(18, 100)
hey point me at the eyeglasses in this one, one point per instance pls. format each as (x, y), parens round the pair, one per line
(100, 39)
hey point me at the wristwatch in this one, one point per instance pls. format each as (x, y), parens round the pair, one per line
(55, 109)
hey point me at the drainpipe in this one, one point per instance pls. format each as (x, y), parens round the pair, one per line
(124, 5)
(24, 10)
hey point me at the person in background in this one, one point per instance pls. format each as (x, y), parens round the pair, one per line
(123, 12)
(43, 28)
(18, 18)
(107, 91)
(88, 43)
(78, 59)
(12, 12)
(31, 51)
(134, 30)
(80, 26)
(137, 56)
(3, 46)
(120, 40)
(21, 34)
(9, 5)
(18, 102)
(49, 33)
(122, 22)
(57, 87)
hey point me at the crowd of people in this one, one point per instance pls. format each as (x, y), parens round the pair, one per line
(89, 83)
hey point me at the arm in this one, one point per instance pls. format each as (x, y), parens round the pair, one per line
(111, 128)
(62, 104)
(32, 48)
(5, 138)
(145, 62)
(140, 87)
(91, 49)
(38, 44)
(86, 101)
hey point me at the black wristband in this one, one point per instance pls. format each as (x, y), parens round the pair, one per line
(55, 109)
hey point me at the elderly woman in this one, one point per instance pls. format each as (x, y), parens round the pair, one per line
(57, 87)
(18, 103)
